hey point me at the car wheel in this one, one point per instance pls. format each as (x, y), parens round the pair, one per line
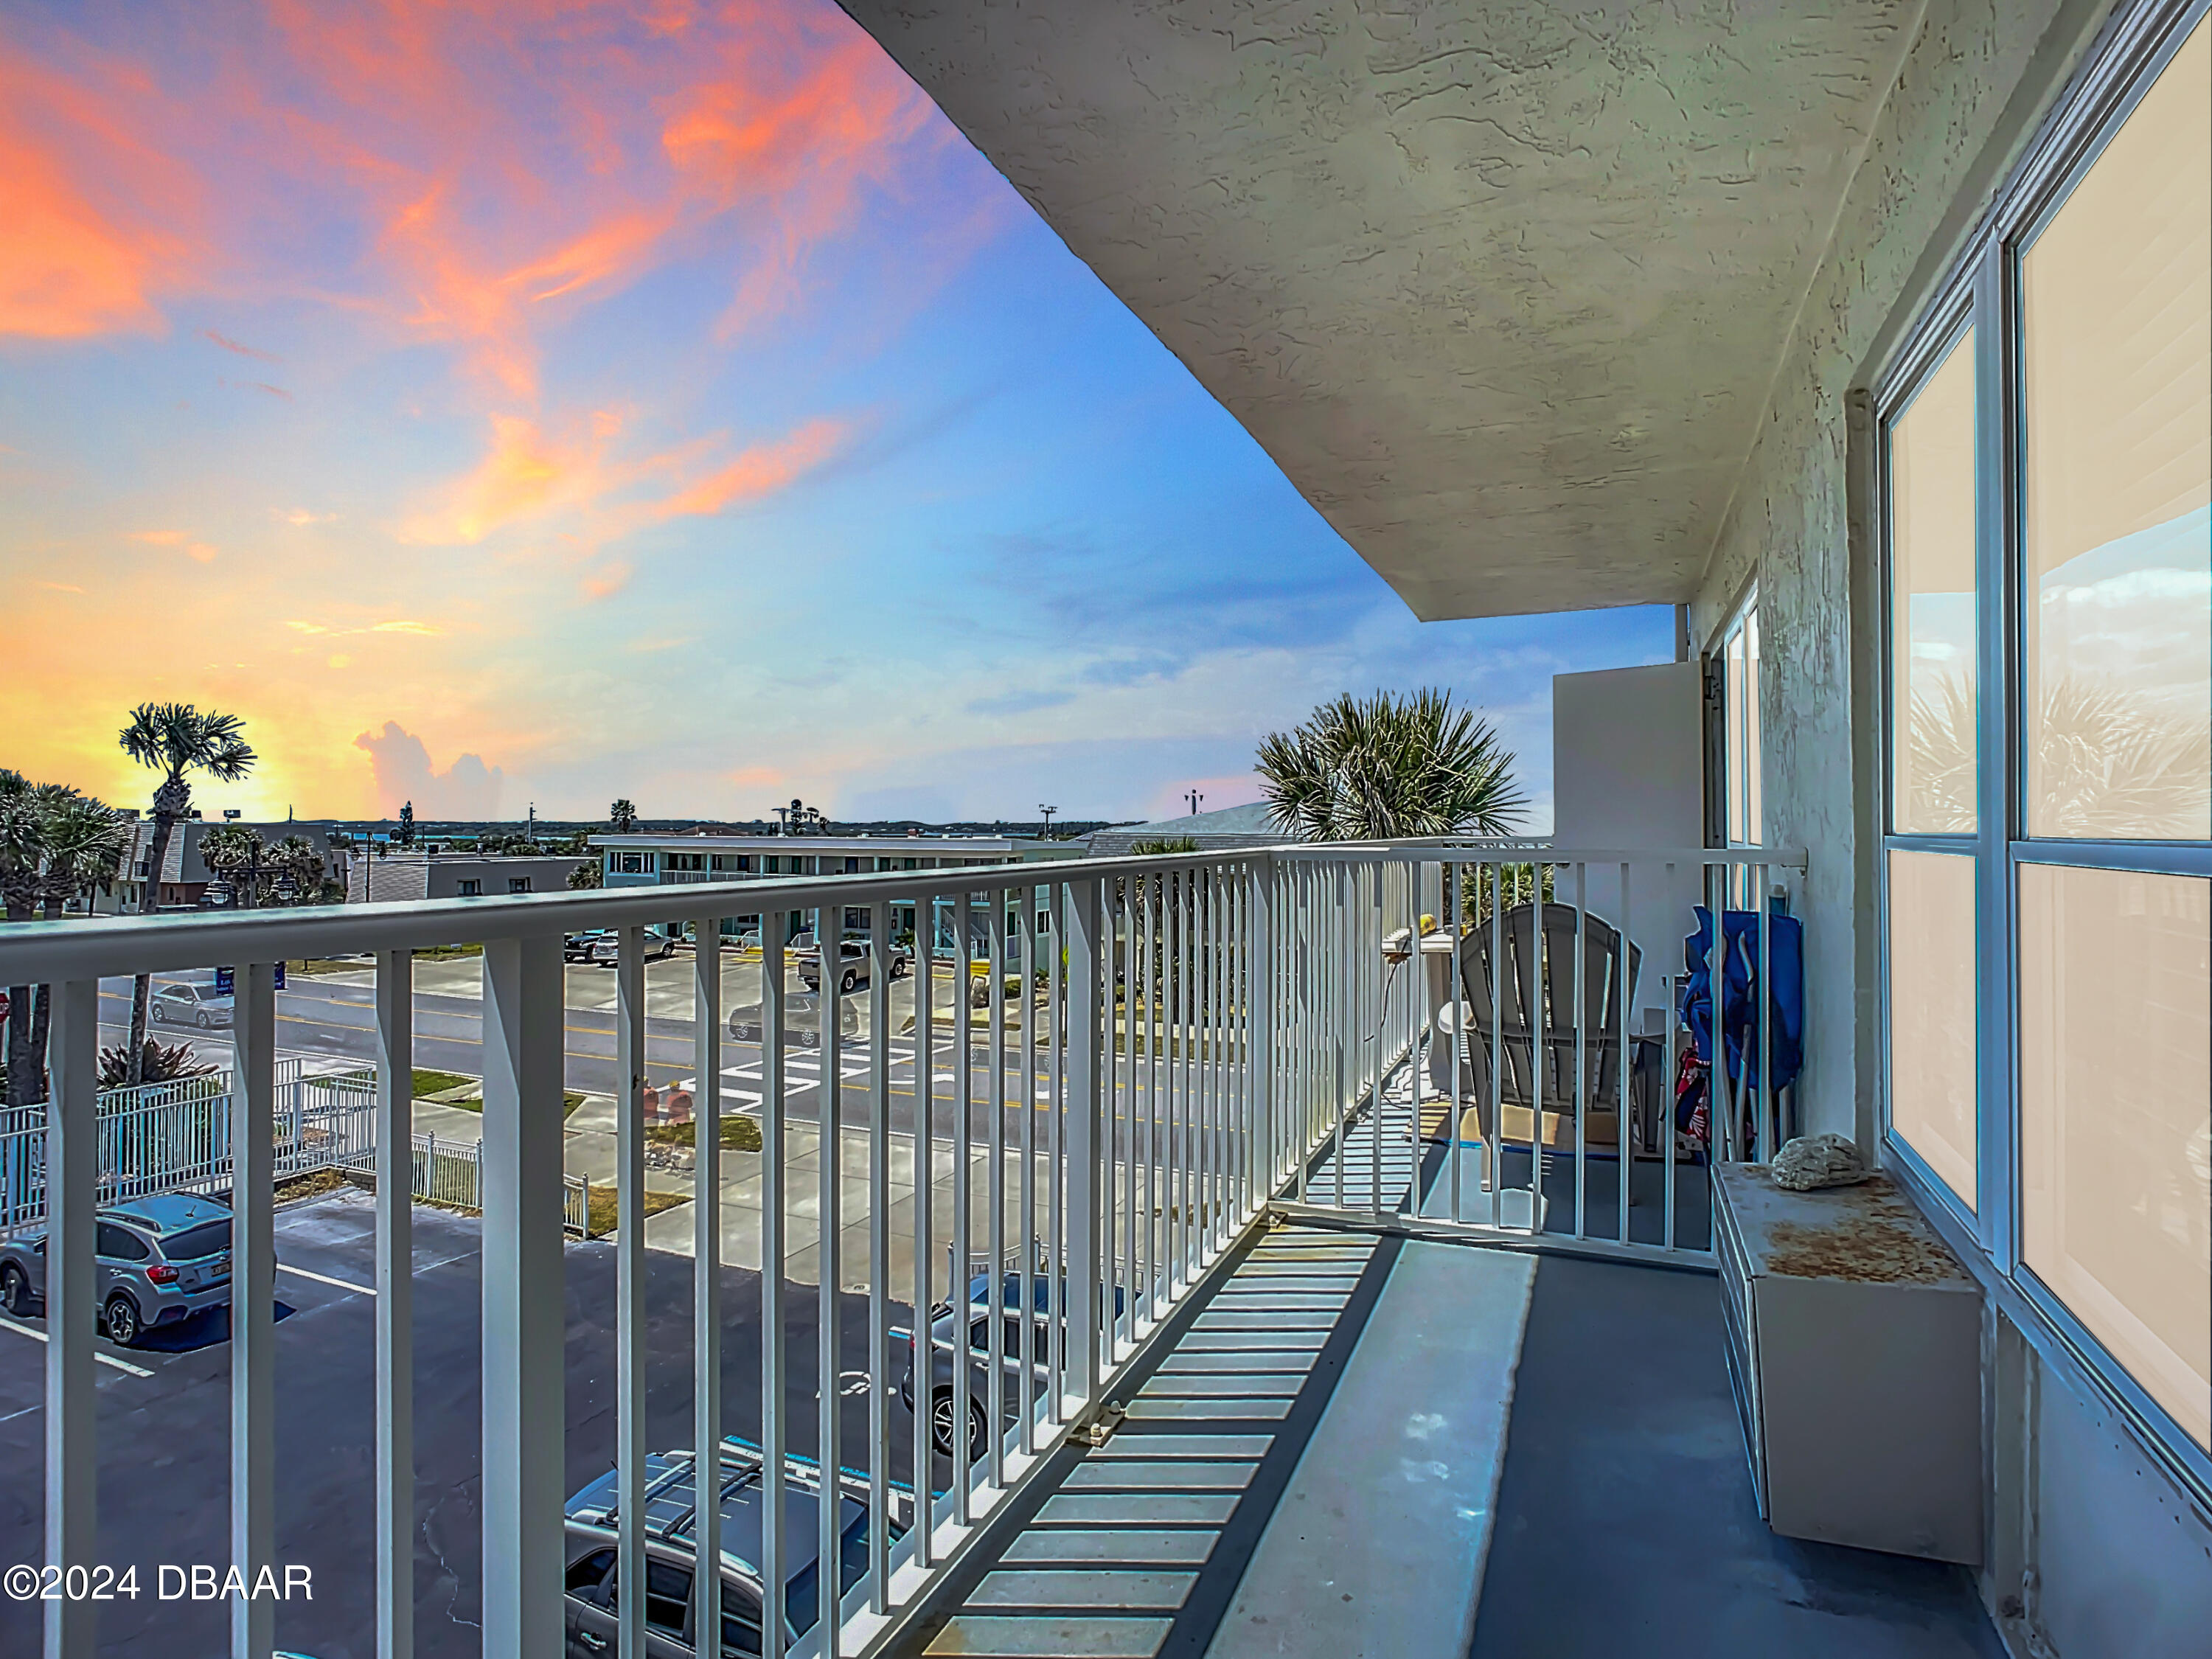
(206, 1019)
(122, 1320)
(941, 1426)
(14, 1290)
(850, 982)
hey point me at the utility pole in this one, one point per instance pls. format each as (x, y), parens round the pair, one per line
(1047, 812)
(1193, 798)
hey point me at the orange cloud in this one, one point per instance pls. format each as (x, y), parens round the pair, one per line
(760, 471)
(527, 471)
(613, 577)
(177, 538)
(66, 271)
(98, 216)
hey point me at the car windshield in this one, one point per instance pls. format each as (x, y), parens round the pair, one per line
(196, 1244)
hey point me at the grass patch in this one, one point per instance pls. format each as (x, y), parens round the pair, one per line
(570, 1098)
(446, 953)
(315, 965)
(739, 1133)
(427, 1081)
(314, 1184)
(606, 1210)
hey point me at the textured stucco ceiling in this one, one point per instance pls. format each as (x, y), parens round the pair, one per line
(1502, 287)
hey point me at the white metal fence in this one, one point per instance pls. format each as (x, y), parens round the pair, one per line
(450, 1172)
(1195, 1040)
(175, 1136)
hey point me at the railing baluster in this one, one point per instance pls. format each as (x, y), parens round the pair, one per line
(1085, 963)
(1126, 1110)
(1720, 1098)
(1625, 972)
(775, 927)
(252, 1302)
(395, 1314)
(1580, 1097)
(1026, 1357)
(1056, 1191)
(1376, 1020)
(924, 1184)
(706, 1271)
(525, 1309)
(1148, 1266)
(72, 1192)
(829, 938)
(629, 1290)
(1673, 1021)
(1769, 1118)
(1494, 1151)
(963, 1236)
(1175, 979)
(879, 1257)
(994, 1227)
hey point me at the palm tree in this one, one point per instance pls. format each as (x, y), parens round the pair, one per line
(55, 845)
(622, 817)
(176, 739)
(237, 855)
(1385, 767)
(299, 868)
(85, 842)
(19, 887)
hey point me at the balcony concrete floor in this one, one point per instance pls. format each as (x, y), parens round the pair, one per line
(1418, 1448)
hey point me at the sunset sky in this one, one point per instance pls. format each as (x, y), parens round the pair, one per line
(499, 404)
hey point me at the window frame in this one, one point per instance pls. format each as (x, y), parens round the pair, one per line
(1982, 288)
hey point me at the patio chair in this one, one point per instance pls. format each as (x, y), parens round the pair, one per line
(1525, 1059)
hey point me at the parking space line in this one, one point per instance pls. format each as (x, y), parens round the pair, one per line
(38, 1335)
(325, 1279)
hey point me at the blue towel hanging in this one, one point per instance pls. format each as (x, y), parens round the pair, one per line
(1739, 973)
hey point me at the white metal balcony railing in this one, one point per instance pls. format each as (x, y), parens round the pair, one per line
(1203, 1038)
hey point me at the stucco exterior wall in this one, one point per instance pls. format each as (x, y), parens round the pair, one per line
(1970, 87)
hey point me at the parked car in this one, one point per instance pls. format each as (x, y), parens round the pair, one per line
(577, 947)
(960, 1342)
(161, 1260)
(802, 1020)
(606, 950)
(592, 1602)
(193, 1004)
(854, 955)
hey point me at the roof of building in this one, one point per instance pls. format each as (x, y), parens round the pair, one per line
(686, 841)
(1249, 825)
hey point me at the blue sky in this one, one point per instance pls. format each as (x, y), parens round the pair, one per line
(685, 413)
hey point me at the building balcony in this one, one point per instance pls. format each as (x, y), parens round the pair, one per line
(1365, 1366)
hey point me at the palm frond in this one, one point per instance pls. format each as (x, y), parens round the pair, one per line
(1386, 767)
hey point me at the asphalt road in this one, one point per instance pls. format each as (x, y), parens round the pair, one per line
(165, 1436)
(326, 1019)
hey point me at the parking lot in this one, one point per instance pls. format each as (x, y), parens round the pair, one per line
(164, 1428)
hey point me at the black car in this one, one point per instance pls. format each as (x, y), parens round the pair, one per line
(855, 956)
(592, 1602)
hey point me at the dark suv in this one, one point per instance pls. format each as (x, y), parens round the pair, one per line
(161, 1260)
(593, 1600)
